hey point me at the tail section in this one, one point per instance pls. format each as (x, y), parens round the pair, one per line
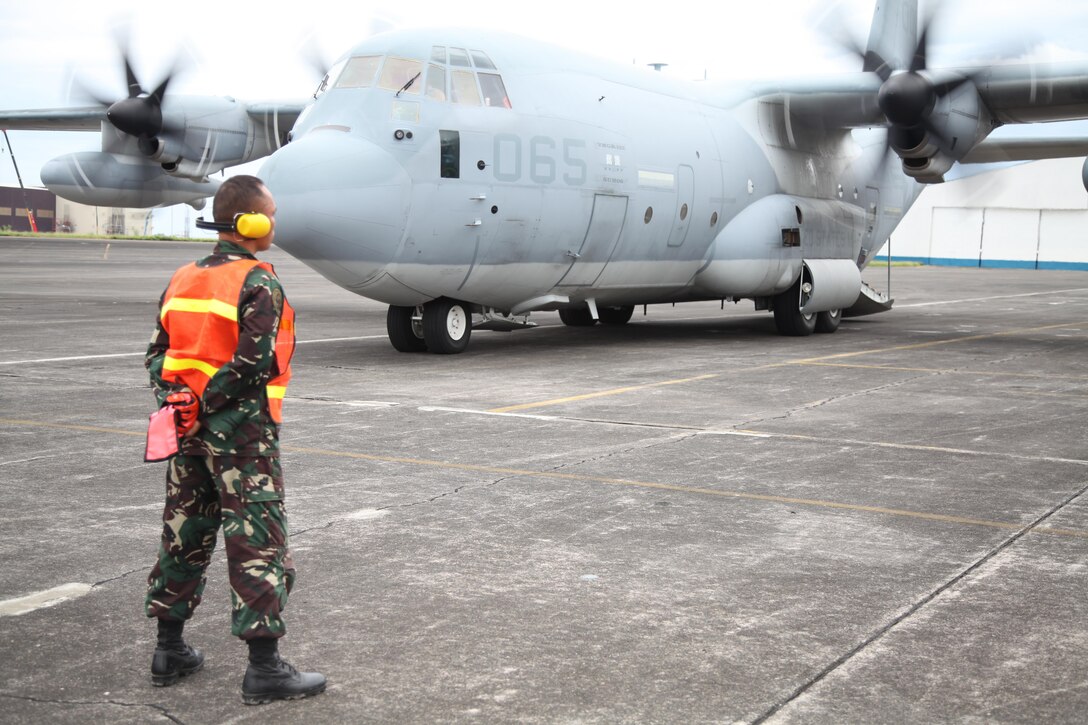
(893, 37)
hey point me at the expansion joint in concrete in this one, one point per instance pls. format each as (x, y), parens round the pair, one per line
(915, 608)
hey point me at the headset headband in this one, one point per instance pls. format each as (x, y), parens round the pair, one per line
(252, 225)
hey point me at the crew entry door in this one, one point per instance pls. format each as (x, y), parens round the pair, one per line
(605, 227)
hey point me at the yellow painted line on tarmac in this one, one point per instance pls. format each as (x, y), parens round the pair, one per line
(719, 493)
(934, 343)
(946, 371)
(679, 488)
(823, 360)
(600, 394)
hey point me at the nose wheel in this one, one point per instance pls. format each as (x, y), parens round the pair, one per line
(441, 326)
(405, 328)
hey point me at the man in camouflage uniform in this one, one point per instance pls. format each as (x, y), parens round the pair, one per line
(214, 361)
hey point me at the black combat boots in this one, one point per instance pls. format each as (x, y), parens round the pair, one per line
(269, 678)
(173, 658)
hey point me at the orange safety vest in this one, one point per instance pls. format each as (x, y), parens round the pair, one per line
(200, 314)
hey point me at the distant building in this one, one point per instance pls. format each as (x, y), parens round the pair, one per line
(55, 214)
(13, 206)
(1028, 216)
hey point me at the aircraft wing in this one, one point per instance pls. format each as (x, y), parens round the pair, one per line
(1027, 149)
(1023, 93)
(1033, 93)
(87, 118)
(90, 118)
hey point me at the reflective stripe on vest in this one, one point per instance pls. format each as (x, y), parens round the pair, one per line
(200, 314)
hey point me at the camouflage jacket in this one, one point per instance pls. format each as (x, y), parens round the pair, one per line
(234, 413)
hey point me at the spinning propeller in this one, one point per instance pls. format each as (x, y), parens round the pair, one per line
(907, 96)
(140, 113)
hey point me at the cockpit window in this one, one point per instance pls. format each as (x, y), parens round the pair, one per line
(451, 77)
(459, 57)
(494, 90)
(436, 82)
(359, 72)
(463, 87)
(402, 75)
(330, 78)
(480, 60)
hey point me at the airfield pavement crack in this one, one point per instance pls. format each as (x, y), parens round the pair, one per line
(103, 582)
(46, 701)
(630, 449)
(880, 632)
(790, 412)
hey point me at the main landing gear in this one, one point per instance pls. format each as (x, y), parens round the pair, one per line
(441, 326)
(791, 322)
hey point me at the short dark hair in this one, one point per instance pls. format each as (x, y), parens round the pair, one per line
(237, 195)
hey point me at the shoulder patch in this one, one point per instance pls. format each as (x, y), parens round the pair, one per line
(277, 299)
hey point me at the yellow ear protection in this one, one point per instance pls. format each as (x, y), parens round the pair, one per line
(250, 225)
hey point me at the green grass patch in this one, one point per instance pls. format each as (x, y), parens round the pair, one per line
(6, 232)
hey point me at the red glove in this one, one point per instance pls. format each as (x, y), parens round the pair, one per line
(187, 406)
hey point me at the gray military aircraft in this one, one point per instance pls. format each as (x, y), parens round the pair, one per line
(467, 179)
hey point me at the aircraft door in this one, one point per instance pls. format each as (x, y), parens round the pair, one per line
(872, 213)
(685, 196)
(605, 227)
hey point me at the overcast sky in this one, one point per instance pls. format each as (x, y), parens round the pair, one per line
(47, 47)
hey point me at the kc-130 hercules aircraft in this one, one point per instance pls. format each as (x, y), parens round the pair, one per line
(455, 175)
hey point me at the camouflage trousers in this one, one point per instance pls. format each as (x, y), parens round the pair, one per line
(245, 496)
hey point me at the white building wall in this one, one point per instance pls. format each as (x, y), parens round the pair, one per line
(100, 220)
(1032, 215)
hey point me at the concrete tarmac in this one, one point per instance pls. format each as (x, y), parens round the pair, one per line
(687, 519)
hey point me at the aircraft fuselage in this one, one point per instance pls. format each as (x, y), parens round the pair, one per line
(585, 181)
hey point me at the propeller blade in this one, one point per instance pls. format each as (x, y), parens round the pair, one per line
(875, 64)
(134, 88)
(160, 92)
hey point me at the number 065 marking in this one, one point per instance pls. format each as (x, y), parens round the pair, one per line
(543, 161)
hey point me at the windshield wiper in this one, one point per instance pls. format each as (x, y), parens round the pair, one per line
(408, 85)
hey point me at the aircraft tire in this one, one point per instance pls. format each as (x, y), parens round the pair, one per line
(447, 326)
(788, 318)
(828, 321)
(403, 332)
(616, 315)
(577, 316)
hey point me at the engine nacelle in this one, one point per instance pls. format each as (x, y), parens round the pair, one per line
(103, 179)
(960, 120)
(200, 135)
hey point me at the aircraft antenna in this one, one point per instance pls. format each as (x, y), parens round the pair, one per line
(26, 201)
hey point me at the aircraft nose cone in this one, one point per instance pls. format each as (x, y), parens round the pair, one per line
(342, 204)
